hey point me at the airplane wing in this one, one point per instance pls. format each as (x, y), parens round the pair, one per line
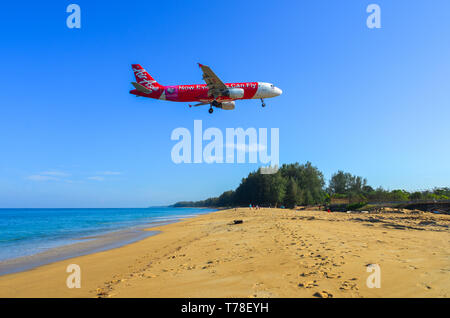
(215, 85)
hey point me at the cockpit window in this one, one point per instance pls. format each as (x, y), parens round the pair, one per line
(271, 85)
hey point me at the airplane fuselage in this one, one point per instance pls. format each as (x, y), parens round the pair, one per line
(199, 92)
(214, 93)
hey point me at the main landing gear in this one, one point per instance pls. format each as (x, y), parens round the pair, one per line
(263, 104)
(215, 104)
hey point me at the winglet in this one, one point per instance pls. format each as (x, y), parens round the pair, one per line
(200, 65)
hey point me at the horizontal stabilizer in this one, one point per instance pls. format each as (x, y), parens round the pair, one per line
(141, 88)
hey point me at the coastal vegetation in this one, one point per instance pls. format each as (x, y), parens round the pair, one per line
(304, 184)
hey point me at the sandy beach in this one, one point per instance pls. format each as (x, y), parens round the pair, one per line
(273, 253)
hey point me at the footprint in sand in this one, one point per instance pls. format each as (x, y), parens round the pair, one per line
(330, 275)
(307, 274)
(348, 286)
(309, 284)
(323, 294)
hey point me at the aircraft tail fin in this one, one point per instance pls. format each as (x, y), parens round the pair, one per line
(143, 78)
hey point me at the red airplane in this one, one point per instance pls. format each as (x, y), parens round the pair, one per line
(214, 92)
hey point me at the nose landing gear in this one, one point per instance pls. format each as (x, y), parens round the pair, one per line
(263, 104)
(210, 110)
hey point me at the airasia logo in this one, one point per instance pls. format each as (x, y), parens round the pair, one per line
(141, 75)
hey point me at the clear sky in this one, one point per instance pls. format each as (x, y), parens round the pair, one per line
(373, 102)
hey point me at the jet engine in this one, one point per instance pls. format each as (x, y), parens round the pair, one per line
(227, 105)
(234, 93)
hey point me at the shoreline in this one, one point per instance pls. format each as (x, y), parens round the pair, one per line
(273, 253)
(85, 245)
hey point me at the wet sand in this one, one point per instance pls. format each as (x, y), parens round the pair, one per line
(273, 253)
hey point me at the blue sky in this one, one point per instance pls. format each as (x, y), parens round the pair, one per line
(373, 102)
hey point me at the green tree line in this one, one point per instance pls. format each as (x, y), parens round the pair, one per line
(303, 184)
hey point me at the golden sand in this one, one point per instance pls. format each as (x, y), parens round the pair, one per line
(273, 253)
